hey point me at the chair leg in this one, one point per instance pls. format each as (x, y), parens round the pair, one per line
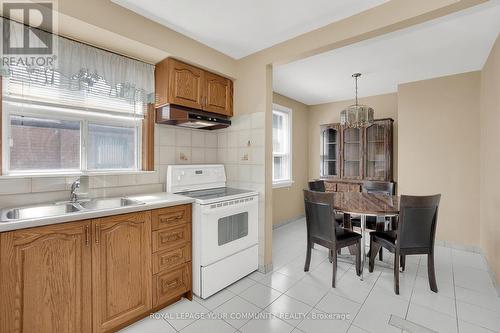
(380, 227)
(431, 272)
(358, 258)
(330, 255)
(374, 248)
(396, 272)
(403, 262)
(334, 269)
(308, 256)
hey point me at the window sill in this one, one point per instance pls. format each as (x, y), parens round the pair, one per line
(73, 174)
(284, 183)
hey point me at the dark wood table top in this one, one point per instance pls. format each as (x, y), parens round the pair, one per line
(366, 203)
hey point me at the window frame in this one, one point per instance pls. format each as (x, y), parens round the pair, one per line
(71, 115)
(288, 181)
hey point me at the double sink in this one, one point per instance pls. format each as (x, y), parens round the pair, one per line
(64, 208)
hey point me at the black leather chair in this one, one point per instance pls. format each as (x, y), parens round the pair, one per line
(415, 235)
(317, 185)
(322, 229)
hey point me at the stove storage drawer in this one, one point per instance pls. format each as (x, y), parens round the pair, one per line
(165, 260)
(167, 286)
(172, 237)
(170, 216)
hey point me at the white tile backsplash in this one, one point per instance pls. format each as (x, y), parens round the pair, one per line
(197, 155)
(166, 135)
(197, 139)
(182, 137)
(48, 184)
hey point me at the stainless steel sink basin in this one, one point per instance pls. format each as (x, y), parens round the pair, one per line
(63, 208)
(38, 211)
(108, 203)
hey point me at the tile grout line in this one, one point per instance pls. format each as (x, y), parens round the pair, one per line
(454, 290)
(364, 301)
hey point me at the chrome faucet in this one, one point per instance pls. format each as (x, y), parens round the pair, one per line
(73, 196)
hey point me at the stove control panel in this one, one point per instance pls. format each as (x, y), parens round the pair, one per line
(191, 177)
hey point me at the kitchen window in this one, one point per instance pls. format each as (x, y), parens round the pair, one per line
(282, 146)
(87, 113)
(48, 131)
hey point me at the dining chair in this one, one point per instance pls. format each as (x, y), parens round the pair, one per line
(415, 235)
(317, 185)
(322, 229)
(386, 188)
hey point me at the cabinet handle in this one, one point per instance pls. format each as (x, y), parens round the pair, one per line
(96, 234)
(87, 235)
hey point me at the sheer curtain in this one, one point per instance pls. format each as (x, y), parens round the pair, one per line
(78, 70)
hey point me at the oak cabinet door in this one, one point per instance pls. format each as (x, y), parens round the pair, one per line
(121, 269)
(218, 94)
(185, 84)
(45, 279)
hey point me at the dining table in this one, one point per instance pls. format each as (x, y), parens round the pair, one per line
(366, 204)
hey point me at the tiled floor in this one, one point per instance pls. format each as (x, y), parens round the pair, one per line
(290, 300)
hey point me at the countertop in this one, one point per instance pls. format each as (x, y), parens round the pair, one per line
(151, 201)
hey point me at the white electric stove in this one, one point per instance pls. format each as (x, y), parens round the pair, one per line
(225, 226)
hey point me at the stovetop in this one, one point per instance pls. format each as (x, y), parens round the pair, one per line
(223, 193)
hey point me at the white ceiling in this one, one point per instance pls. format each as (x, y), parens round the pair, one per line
(453, 44)
(241, 27)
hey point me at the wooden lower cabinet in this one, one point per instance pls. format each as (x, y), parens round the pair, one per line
(121, 269)
(90, 276)
(45, 279)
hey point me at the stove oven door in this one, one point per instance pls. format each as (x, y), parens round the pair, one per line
(227, 228)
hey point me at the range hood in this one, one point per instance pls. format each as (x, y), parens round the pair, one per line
(182, 116)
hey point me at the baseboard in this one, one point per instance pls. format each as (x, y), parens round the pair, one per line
(457, 246)
(282, 224)
(264, 269)
(473, 249)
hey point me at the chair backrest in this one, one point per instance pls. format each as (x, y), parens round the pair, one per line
(320, 215)
(417, 221)
(378, 187)
(317, 185)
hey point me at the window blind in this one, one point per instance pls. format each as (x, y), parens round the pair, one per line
(50, 87)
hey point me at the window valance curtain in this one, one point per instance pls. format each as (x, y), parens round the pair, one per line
(77, 72)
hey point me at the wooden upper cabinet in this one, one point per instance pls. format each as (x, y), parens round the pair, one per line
(185, 85)
(46, 279)
(121, 269)
(352, 148)
(218, 94)
(378, 145)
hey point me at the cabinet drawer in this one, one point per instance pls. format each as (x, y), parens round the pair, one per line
(172, 284)
(172, 237)
(170, 216)
(165, 260)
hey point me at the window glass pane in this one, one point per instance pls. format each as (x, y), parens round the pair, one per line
(111, 147)
(44, 144)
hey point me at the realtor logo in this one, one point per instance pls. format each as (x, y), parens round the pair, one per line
(36, 19)
(28, 30)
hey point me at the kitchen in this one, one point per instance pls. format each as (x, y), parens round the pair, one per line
(144, 162)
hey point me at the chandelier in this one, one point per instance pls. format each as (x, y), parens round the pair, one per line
(356, 115)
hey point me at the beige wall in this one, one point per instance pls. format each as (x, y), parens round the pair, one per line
(490, 160)
(385, 106)
(438, 150)
(287, 201)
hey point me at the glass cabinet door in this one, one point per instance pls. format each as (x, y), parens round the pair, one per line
(329, 152)
(352, 153)
(376, 157)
